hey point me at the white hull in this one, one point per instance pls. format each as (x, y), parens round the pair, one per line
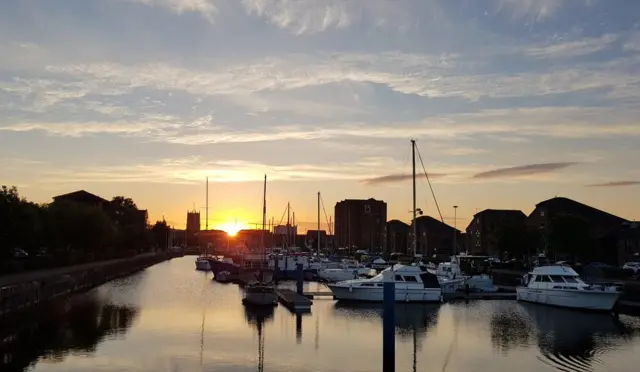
(450, 286)
(203, 265)
(376, 294)
(576, 299)
(338, 275)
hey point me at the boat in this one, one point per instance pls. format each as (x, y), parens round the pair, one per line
(222, 276)
(412, 284)
(561, 286)
(202, 263)
(219, 264)
(259, 293)
(452, 279)
(349, 269)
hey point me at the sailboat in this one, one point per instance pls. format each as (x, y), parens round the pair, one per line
(202, 262)
(260, 293)
(412, 283)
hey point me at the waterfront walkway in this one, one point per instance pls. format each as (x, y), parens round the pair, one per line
(36, 275)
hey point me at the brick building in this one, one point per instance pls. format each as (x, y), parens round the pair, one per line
(361, 224)
(484, 231)
(398, 234)
(436, 237)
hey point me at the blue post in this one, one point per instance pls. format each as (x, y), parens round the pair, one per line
(388, 323)
(299, 278)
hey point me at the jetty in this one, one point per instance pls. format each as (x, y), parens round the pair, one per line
(293, 301)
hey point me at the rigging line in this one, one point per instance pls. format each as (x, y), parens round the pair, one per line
(325, 215)
(430, 187)
(283, 214)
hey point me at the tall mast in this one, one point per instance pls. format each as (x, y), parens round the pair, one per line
(206, 213)
(413, 223)
(264, 214)
(318, 223)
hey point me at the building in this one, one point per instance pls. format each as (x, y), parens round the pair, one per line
(82, 197)
(398, 234)
(484, 231)
(546, 211)
(436, 238)
(622, 244)
(361, 224)
(193, 222)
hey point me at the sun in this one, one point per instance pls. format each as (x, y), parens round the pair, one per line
(231, 228)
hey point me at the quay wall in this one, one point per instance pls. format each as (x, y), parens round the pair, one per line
(42, 288)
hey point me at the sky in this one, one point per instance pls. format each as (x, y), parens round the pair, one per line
(511, 102)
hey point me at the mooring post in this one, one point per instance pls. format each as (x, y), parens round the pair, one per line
(299, 278)
(388, 323)
(298, 328)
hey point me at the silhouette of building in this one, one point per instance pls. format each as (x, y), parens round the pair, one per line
(436, 237)
(193, 222)
(82, 197)
(311, 240)
(484, 231)
(398, 234)
(361, 224)
(546, 211)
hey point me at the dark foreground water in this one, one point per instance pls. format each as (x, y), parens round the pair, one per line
(172, 318)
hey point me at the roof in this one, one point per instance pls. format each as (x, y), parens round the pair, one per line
(432, 223)
(81, 195)
(502, 213)
(398, 222)
(554, 270)
(586, 211)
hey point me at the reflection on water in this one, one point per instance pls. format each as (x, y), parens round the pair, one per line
(172, 318)
(574, 341)
(50, 334)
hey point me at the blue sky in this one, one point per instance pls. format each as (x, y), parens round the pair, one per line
(511, 102)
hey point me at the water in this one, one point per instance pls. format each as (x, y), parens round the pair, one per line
(172, 318)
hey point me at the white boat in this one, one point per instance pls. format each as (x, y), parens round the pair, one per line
(561, 286)
(452, 279)
(202, 263)
(260, 294)
(412, 284)
(349, 269)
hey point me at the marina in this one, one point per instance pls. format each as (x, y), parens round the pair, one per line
(173, 317)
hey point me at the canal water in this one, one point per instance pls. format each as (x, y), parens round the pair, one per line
(172, 318)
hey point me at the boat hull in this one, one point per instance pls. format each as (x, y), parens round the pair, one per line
(260, 299)
(203, 265)
(338, 275)
(592, 300)
(376, 294)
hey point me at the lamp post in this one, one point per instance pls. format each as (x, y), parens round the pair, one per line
(455, 229)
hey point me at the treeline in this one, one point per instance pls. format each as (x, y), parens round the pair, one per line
(65, 232)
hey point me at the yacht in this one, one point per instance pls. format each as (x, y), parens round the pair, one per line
(452, 279)
(412, 284)
(260, 294)
(202, 263)
(349, 269)
(561, 286)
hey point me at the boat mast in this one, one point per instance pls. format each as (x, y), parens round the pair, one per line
(264, 215)
(318, 223)
(413, 223)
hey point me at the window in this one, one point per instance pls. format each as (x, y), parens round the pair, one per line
(367, 208)
(556, 279)
(410, 279)
(399, 278)
(538, 279)
(541, 213)
(545, 279)
(570, 279)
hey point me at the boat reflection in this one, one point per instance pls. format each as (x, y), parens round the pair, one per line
(573, 341)
(258, 316)
(51, 333)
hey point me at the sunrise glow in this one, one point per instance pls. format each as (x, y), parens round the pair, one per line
(232, 227)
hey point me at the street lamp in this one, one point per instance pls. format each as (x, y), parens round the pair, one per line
(455, 229)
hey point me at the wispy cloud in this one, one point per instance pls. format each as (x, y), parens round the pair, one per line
(523, 170)
(463, 151)
(206, 8)
(394, 178)
(571, 48)
(615, 184)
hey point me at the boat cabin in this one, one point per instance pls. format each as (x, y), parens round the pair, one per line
(404, 277)
(553, 277)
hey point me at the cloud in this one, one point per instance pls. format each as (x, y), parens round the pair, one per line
(206, 8)
(528, 10)
(524, 170)
(615, 184)
(573, 48)
(463, 151)
(314, 16)
(394, 178)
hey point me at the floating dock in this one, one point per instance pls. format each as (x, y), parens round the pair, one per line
(293, 301)
(486, 296)
(312, 295)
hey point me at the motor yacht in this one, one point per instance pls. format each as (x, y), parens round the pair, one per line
(349, 269)
(412, 284)
(561, 286)
(260, 294)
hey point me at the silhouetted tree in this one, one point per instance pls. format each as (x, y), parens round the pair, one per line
(160, 234)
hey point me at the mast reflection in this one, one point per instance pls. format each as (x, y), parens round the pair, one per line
(258, 316)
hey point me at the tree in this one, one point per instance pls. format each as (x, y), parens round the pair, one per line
(131, 223)
(20, 222)
(160, 233)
